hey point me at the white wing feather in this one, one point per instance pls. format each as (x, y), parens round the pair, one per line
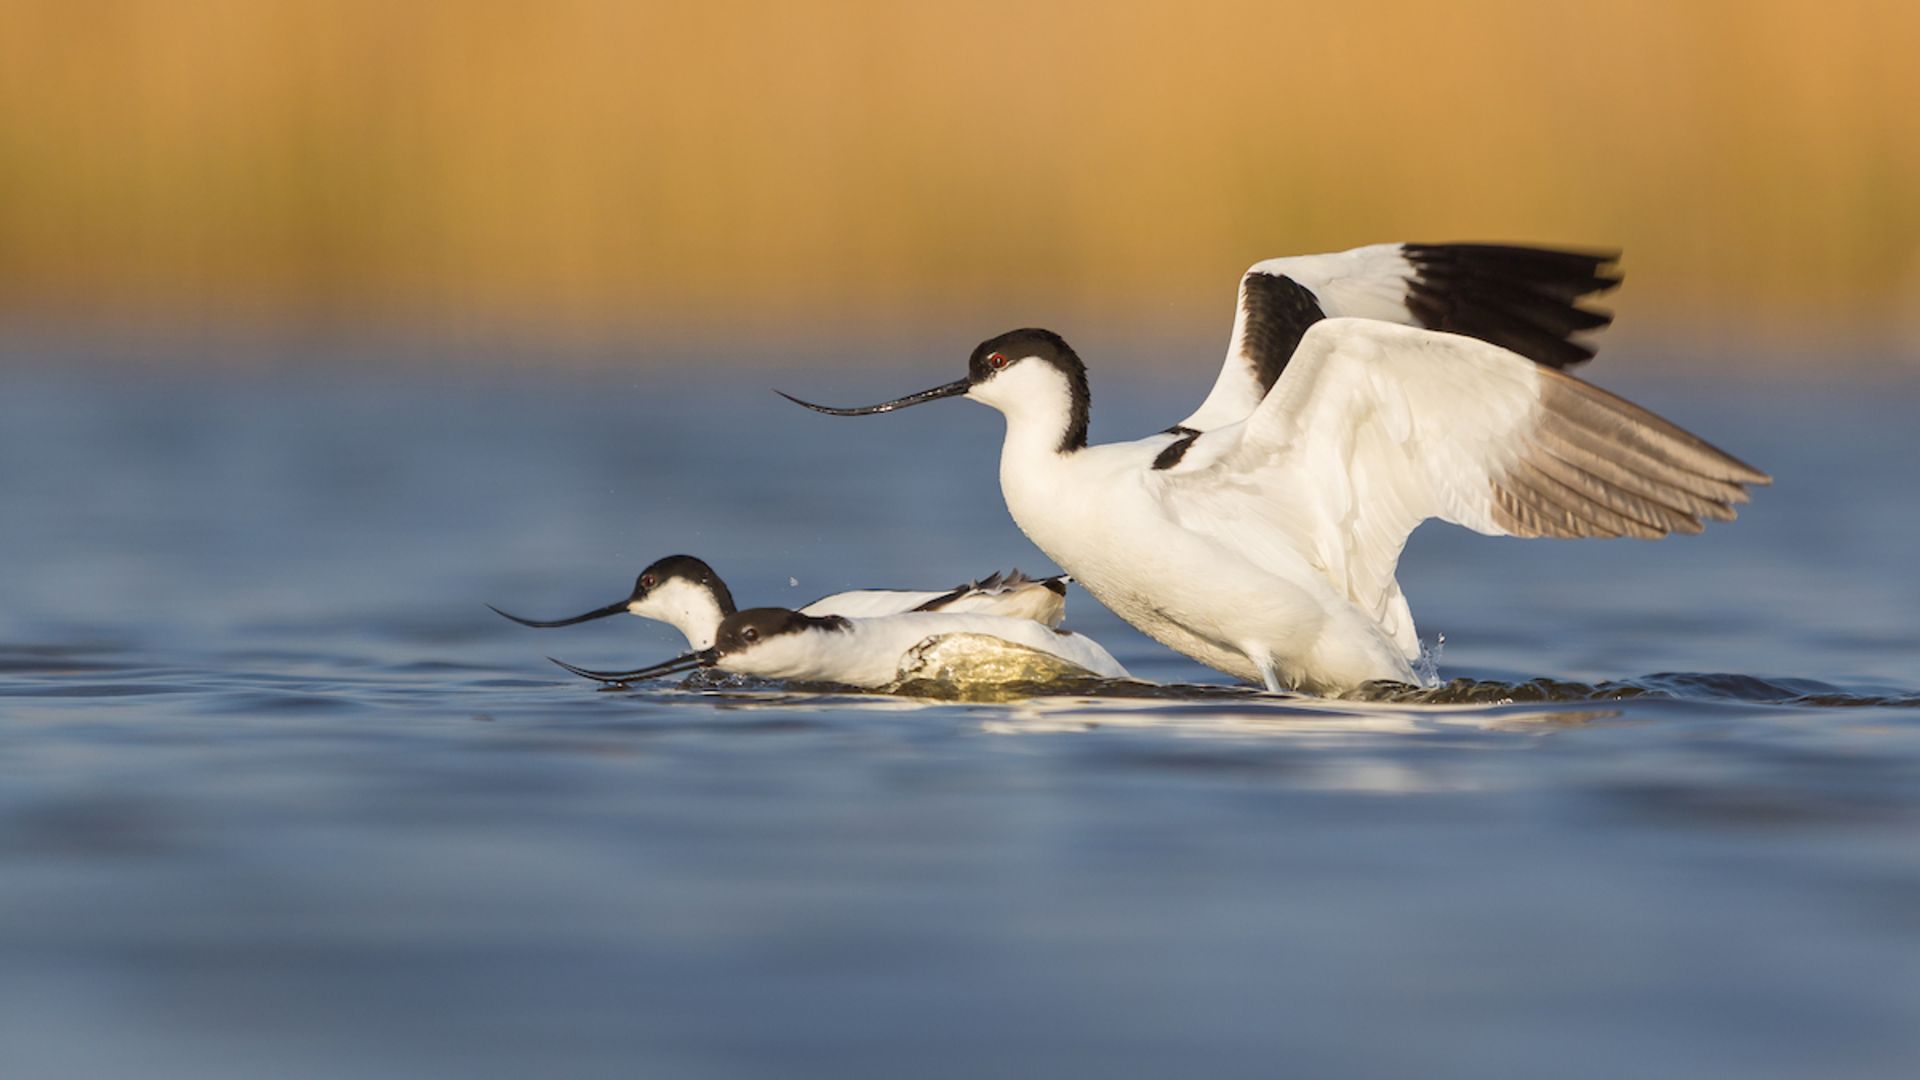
(870, 603)
(1367, 282)
(1374, 428)
(1012, 594)
(1528, 299)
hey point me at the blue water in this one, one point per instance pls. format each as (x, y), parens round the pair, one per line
(278, 796)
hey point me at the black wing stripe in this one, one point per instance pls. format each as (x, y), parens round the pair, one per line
(1278, 310)
(997, 580)
(944, 599)
(1171, 456)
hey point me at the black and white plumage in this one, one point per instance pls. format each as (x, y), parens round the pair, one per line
(686, 594)
(1010, 592)
(1262, 535)
(1528, 300)
(872, 652)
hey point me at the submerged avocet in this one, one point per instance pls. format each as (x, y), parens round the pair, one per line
(1261, 534)
(686, 594)
(873, 652)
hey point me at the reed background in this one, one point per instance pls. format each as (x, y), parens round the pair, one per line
(593, 170)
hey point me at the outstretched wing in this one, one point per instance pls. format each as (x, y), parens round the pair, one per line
(1375, 428)
(1521, 298)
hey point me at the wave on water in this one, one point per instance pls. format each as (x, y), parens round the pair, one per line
(1682, 686)
(991, 685)
(970, 674)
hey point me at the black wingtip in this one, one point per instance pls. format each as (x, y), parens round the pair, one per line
(1527, 299)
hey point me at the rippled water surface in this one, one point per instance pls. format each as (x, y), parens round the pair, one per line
(278, 796)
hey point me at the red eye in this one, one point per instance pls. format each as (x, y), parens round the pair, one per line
(647, 581)
(750, 634)
(997, 361)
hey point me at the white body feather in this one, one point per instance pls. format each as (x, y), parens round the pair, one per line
(1014, 595)
(1366, 282)
(1268, 551)
(868, 651)
(1261, 535)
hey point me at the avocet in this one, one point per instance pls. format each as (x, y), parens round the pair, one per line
(686, 594)
(873, 652)
(1260, 535)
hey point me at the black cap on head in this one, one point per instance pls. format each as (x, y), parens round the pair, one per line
(681, 567)
(745, 629)
(1018, 345)
(685, 568)
(998, 353)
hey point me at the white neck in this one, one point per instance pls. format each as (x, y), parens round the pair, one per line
(686, 607)
(1038, 405)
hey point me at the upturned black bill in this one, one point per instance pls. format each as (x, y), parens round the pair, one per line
(597, 613)
(952, 389)
(681, 663)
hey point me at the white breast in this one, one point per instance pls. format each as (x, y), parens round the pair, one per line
(1100, 516)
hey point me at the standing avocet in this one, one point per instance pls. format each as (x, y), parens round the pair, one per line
(1265, 545)
(869, 652)
(686, 594)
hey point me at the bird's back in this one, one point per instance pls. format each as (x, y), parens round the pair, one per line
(1012, 594)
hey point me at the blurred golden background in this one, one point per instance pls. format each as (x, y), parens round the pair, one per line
(596, 168)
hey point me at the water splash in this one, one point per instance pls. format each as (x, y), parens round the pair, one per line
(1427, 668)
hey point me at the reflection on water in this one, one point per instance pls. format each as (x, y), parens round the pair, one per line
(1683, 685)
(278, 795)
(1008, 673)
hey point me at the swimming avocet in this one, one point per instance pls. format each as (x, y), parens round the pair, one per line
(686, 594)
(1264, 543)
(869, 652)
